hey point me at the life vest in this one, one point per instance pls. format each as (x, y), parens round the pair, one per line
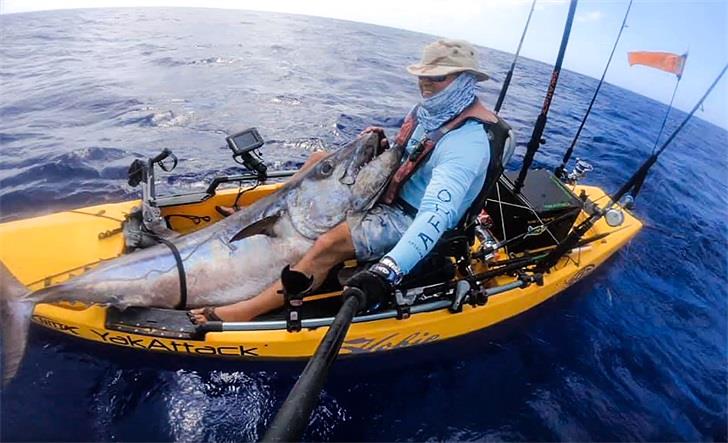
(476, 111)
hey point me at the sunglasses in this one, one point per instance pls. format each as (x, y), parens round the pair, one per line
(435, 78)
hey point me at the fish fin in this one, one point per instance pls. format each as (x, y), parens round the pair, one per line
(263, 226)
(15, 316)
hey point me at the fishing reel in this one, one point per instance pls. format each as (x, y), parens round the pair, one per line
(614, 217)
(628, 202)
(581, 169)
(488, 243)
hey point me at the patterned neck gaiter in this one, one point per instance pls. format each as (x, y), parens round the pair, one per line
(446, 104)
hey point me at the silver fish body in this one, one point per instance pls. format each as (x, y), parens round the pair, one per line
(232, 260)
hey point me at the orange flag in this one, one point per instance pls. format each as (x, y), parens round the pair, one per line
(665, 61)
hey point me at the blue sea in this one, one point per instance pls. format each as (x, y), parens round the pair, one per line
(638, 351)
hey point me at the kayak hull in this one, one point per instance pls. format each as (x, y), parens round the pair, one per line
(37, 250)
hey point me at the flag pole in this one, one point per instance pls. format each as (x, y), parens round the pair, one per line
(638, 185)
(669, 108)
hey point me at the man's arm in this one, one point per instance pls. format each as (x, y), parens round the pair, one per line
(463, 160)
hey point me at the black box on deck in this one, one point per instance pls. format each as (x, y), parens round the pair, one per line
(546, 195)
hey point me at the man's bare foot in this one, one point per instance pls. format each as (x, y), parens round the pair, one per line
(236, 312)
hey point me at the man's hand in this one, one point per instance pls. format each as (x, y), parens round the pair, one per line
(375, 287)
(377, 282)
(383, 142)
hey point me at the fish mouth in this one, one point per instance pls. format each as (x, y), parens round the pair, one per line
(374, 176)
(366, 148)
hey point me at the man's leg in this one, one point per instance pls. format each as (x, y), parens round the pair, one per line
(330, 249)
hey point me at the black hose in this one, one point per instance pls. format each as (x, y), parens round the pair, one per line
(293, 416)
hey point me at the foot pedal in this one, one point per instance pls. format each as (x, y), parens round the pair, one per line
(296, 285)
(155, 322)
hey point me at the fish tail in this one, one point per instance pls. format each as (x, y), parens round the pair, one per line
(15, 313)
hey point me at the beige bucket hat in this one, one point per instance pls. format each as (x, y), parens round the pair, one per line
(448, 57)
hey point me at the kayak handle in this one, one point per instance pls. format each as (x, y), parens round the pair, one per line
(163, 156)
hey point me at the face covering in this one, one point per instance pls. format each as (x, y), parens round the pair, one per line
(446, 104)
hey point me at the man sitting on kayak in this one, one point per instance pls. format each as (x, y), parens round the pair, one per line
(443, 169)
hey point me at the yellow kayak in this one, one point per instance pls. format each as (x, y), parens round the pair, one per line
(50, 249)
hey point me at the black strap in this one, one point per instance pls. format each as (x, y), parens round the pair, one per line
(406, 207)
(500, 131)
(180, 270)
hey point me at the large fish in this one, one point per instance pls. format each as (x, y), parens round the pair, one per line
(232, 260)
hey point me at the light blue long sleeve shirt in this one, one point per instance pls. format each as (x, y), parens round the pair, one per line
(442, 189)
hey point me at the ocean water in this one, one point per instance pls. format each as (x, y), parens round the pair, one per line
(638, 351)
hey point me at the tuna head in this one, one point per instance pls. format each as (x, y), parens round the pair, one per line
(347, 181)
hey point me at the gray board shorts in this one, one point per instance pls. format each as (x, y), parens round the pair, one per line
(377, 231)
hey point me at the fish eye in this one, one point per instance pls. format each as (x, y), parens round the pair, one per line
(326, 168)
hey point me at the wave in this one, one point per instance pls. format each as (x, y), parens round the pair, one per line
(636, 352)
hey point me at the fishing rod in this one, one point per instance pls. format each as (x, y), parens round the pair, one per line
(636, 180)
(538, 129)
(511, 266)
(559, 171)
(531, 231)
(507, 81)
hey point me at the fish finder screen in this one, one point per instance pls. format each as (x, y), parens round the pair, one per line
(245, 141)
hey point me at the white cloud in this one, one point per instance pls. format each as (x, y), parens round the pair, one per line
(591, 16)
(543, 4)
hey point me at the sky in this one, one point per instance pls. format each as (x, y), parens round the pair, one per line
(699, 27)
